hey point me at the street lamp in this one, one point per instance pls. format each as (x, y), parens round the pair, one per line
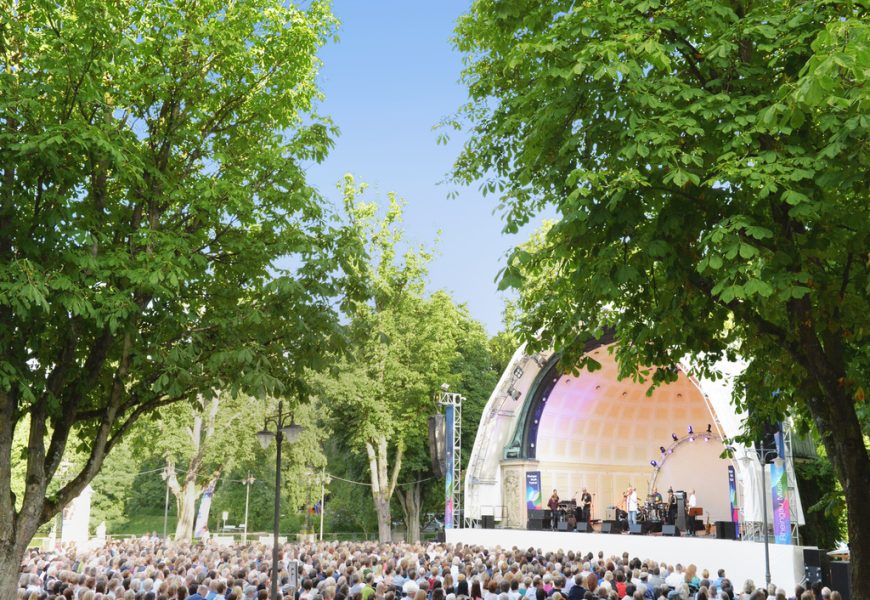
(291, 433)
(763, 455)
(248, 481)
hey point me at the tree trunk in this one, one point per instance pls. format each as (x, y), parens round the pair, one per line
(383, 486)
(186, 502)
(10, 565)
(843, 439)
(410, 500)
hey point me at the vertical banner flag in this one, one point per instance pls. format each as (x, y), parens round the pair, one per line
(201, 527)
(448, 475)
(732, 496)
(779, 499)
(534, 499)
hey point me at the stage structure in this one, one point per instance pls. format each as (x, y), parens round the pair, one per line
(593, 430)
(452, 403)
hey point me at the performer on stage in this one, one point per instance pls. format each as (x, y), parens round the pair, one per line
(672, 507)
(656, 496)
(692, 504)
(586, 502)
(553, 505)
(632, 505)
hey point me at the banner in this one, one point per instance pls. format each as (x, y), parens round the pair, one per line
(779, 499)
(534, 499)
(201, 527)
(448, 475)
(732, 496)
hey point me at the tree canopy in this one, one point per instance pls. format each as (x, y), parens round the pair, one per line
(708, 162)
(157, 235)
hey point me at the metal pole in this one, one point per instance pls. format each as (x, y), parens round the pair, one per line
(322, 503)
(764, 516)
(247, 496)
(166, 508)
(308, 510)
(279, 437)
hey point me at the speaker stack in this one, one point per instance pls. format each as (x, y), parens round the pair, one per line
(840, 578)
(487, 521)
(726, 530)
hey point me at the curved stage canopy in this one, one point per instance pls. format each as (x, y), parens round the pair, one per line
(596, 431)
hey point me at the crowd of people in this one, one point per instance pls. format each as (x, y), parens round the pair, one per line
(149, 569)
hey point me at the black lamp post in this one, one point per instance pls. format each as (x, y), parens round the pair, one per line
(291, 433)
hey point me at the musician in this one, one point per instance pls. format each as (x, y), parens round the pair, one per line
(693, 502)
(656, 496)
(586, 503)
(631, 505)
(672, 507)
(553, 505)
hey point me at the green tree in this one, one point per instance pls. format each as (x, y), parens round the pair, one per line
(151, 177)
(708, 159)
(404, 346)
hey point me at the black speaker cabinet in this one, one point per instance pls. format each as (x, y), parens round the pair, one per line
(535, 524)
(488, 521)
(562, 526)
(671, 530)
(840, 577)
(635, 528)
(583, 527)
(536, 513)
(610, 527)
(726, 530)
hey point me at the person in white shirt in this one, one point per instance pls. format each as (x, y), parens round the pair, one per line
(632, 505)
(675, 578)
(693, 502)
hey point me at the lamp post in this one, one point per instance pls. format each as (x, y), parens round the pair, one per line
(763, 455)
(291, 432)
(248, 481)
(324, 480)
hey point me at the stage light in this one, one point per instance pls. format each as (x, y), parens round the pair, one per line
(674, 437)
(706, 438)
(670, 450)
(654, 463)
(709, 428)
(691, 438)
(662, 448)
(518, 372)
(691, 431)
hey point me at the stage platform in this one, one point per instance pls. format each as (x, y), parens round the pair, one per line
(741, 560)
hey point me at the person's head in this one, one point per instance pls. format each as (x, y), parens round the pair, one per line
(826, 593)
(540, 594)
(835, 595)
(808, 595)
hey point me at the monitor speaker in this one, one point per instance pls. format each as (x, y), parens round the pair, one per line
(635, 529)
(562, 526)
(609, 527)
(582, 527)
(840, 573)
(671, 530)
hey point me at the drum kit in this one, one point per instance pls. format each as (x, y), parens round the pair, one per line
(652, 511)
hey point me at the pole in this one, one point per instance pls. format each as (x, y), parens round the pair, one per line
(247, 496)
(764, 516)
(166, 508)
(279, 437)
(308, 510)
(322, 503)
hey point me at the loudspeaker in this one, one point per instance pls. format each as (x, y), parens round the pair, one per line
(562, 526)
(583, 527)
(671, 530)
(681, 510)
(812, 557)
(726, 530)
(487, 521)
(635, 528)
(840, 578)
(610, 527)
(535, 524)
(437, 449)
(535, 513)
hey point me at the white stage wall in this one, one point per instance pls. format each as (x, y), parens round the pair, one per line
(741, 560)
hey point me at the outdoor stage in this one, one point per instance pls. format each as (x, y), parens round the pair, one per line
(740, 559)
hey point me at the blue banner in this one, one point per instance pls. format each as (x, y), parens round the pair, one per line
(448, 479)
(534, 499)
(779, 499)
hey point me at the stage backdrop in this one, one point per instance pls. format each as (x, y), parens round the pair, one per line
(601, 433)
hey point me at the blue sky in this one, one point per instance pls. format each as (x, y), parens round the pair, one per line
(391, 77)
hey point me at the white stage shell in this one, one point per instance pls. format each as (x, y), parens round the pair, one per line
(596, 431)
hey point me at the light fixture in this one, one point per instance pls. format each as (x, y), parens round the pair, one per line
(709, 428)
(691, 431)
(291, 432)
(691, 438)
(674, 437)
(670, 450)
(445, 387)
(662, 448)
(518, 372)
(706, 438)
(654, 464)
(265, 437)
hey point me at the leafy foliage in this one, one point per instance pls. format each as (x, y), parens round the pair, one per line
(708, 160)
